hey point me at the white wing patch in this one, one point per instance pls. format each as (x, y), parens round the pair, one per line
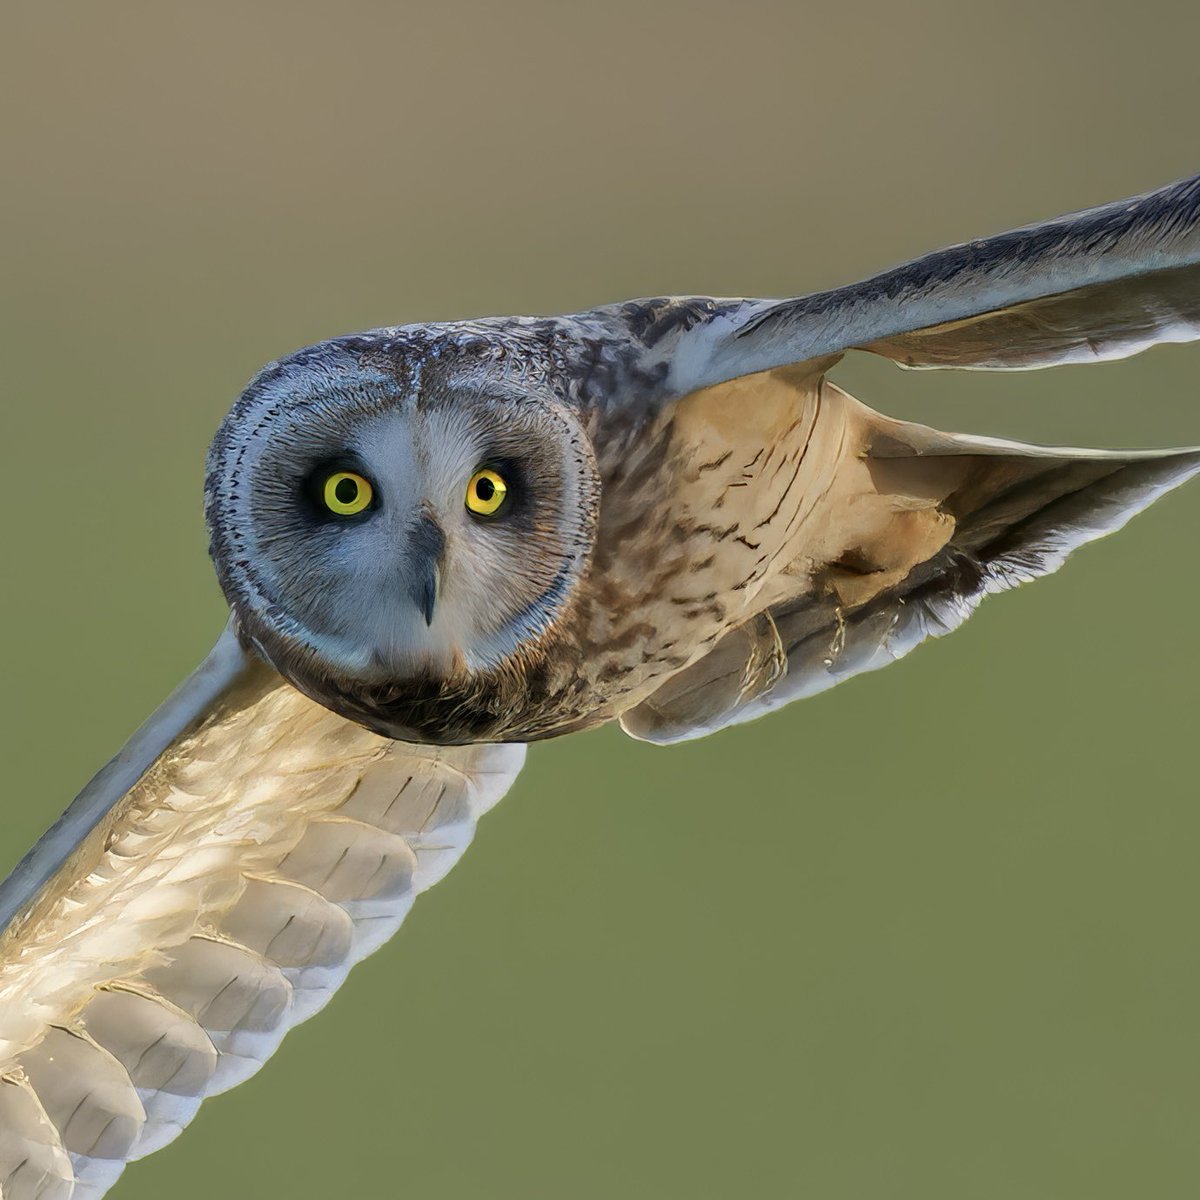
(219, 903)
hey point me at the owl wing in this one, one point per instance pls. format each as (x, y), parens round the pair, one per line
(1004, 513)
(954, 517)
(210, 889)
(1099, 284)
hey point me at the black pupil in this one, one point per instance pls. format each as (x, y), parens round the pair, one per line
(485, 489)
(346, 491)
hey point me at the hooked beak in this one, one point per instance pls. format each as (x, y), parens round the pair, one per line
(428, 545)
(425, 595)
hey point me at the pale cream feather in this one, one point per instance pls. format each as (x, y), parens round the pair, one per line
(218, 903)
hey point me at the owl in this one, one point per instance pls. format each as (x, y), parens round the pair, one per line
(442, 542)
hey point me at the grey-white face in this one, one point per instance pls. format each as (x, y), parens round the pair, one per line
(350, 518)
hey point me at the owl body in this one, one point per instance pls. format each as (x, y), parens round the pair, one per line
(667, 530)
(688, 517)
(693, 509)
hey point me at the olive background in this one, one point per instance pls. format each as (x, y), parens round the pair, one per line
(929, 936)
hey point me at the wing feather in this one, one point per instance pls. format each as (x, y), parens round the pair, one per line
(36, 1167)
(921, 527)
(164, 937)
(1093, 285)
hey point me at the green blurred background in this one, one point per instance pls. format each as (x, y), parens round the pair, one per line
(959, 966)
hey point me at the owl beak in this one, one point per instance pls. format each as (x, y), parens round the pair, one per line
(425, 595)
(428, 544)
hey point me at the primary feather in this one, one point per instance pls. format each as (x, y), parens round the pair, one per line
(1103, 283)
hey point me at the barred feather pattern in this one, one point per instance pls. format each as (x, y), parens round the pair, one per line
(222, 901)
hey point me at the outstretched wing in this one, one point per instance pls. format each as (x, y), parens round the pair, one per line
(911, 528)
(209, 890)
(914, 529)
(1100, 284)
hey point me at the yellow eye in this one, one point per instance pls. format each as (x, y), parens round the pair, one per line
(486, 493)
(347, 494)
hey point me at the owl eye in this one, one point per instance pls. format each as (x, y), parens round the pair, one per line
(347, 493)
(486, 493)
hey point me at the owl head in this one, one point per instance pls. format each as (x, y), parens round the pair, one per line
(395, 511)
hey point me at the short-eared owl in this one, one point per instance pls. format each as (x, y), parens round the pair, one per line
(441, 542)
